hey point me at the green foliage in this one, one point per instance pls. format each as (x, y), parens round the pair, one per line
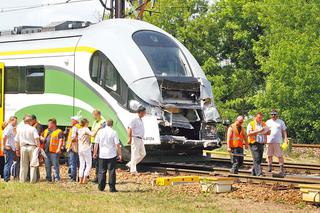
(258, 55)
(291, 65)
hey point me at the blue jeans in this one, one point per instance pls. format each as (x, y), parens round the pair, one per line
(8, 161)
(52, 160)
(72, 162)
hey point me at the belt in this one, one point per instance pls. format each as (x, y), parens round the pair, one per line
(137, 137)
(29, 145)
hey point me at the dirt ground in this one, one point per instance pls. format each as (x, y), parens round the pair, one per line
(139, 194)
(243, 198)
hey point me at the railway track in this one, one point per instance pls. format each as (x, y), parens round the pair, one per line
(290, 167)
(297, 145)
(242, 176)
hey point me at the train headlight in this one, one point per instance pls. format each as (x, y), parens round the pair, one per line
(211, 114)
(156, 111)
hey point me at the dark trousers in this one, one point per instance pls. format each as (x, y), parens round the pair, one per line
(95, 164)
(104, 166)
(236, 161)
(1, 166)
(257, 154)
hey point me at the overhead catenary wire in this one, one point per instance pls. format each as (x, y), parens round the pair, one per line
(21, 8)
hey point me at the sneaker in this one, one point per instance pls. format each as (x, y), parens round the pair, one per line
(113, 190)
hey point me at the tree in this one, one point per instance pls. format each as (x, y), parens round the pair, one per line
(289, 56)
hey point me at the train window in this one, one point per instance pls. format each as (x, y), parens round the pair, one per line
(12, 79)
(34, 79)
(95, 67)
(104, 73)
(110, 75)
(162, 53)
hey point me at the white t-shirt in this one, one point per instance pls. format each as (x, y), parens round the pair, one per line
(26, 135)
(84, 135)
(137, 127)
(107, 139)
(276, 128)
(9, 132)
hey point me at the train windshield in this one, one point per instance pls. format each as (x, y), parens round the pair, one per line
(163, 54)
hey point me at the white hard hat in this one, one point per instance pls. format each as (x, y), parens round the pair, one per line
(76, 118)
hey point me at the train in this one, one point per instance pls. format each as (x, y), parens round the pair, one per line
(71, 68)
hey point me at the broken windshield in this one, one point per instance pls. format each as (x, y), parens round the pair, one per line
(162, 53)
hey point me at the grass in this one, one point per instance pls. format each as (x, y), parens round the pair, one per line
(70, 197)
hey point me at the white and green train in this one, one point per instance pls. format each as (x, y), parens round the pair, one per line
(113, 66)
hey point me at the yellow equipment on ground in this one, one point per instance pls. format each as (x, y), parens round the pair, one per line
(311, 192)
(216, 184)
(165, 181)
(208, 184)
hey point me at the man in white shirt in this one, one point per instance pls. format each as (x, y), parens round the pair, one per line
(109, 150)
(27, 139)
(135, 135)
(274, 139)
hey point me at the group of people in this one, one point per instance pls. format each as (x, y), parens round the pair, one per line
(258, 134)
(26, 144)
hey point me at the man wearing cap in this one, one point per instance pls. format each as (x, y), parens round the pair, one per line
(236, 137)
(135, 135)
(274, 139)
(72, 148)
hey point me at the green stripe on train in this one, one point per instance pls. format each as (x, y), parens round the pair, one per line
(61, 82)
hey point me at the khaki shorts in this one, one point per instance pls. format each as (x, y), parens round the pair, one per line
(274, 149)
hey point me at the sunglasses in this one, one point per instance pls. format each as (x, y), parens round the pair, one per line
(273, 114)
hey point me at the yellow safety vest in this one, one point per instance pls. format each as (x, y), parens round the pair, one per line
(69, 140)
(252, 138)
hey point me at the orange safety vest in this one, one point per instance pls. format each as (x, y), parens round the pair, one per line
(54, 139)
(252, 139)
(69, 140)
(236, 137)
(1, 148)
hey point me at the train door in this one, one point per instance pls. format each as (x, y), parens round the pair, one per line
(1, 92)
(1, 103)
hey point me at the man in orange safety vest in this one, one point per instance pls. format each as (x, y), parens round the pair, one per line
(236, 138)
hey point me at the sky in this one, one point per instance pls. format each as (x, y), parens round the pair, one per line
(83, 11)
(88, 10)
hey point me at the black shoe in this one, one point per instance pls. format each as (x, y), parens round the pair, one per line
(113, 190)
(233, 172)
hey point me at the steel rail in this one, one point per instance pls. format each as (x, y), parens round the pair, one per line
(243, 175)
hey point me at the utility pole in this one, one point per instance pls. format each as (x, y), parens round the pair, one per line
(120, 8)
(111, 9)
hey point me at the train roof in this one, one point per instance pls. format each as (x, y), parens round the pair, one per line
(62, 29)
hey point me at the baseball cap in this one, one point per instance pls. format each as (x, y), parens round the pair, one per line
(76, 118)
